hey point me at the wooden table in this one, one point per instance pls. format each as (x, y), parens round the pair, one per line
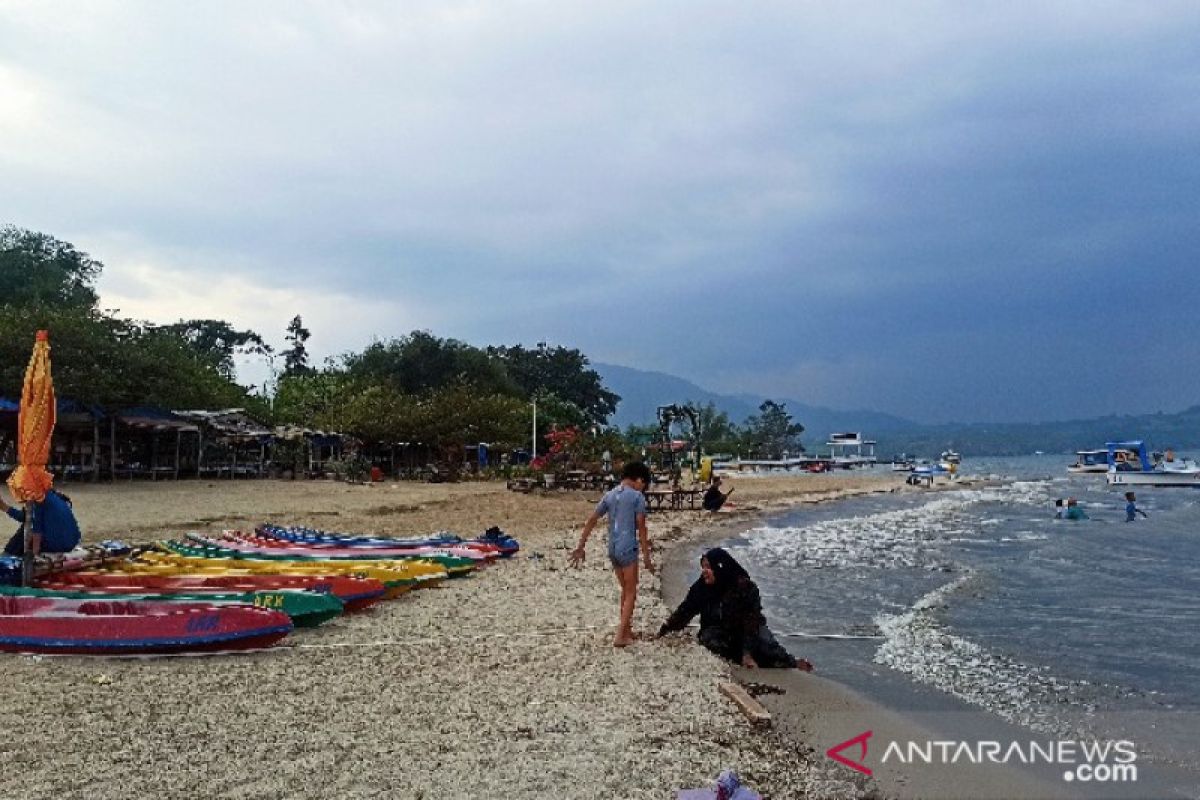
(673, 499)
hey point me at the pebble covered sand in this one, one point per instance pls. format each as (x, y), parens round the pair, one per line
(501, 685)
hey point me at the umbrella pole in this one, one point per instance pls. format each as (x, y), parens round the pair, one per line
(27, 557)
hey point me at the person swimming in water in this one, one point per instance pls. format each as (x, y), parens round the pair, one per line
(1074, 511)
(1131, 509)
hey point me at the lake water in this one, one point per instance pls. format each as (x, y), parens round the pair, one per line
(1089, 627)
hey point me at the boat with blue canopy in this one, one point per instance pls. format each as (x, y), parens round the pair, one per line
(1144, 471)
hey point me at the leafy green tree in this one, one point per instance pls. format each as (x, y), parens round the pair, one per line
(37, 270)
(101, 360)
(295, 358)
(771, 432)
(421, 362)
(376, 414)
(461, 415)
(717, 433)
(554, 411)
(216, 342)
(561, 372)
(311, 400)
(640, 436)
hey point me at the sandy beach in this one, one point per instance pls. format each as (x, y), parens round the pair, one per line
(501, 685)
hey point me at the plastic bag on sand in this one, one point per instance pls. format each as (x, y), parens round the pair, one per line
(729, 787)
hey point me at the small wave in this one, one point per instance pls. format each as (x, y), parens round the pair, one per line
(918, 644)
(903, 538)
(891, 539)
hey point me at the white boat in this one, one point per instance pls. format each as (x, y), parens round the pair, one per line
(846, 450)
(1098, 460)
(950, 461)
(1170, 471)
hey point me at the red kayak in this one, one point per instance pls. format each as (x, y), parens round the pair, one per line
(355, 593)
(59, 626)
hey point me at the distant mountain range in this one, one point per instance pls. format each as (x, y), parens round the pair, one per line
(642, 392)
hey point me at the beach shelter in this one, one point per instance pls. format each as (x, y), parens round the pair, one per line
(31, 480)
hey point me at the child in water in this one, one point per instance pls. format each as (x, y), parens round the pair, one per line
(1131, 509)
(1073, 510)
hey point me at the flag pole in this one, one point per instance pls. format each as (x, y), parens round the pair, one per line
(27, 551)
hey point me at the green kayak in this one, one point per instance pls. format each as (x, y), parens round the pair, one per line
(307, 609)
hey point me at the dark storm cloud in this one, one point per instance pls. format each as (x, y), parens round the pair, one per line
(937, 210)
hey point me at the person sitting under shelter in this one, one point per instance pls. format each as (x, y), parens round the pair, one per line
(714, 498)
(55, 529)
(732, 624)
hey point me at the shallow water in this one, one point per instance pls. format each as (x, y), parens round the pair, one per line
(1086, 627)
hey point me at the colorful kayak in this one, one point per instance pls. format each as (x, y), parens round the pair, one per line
(250, 543)
(58, 626)
(305, 609)
(394, 576)
(492, 539)
(354, 594)
(454, 567)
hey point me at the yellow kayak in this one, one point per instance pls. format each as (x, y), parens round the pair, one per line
(398, 577)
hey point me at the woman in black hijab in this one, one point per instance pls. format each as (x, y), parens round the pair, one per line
(732, 624)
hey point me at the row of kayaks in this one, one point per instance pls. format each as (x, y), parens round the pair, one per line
(236, 591)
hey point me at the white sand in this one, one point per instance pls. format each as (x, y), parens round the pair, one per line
(501, 685)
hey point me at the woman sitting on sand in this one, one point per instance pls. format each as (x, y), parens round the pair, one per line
(732, 624)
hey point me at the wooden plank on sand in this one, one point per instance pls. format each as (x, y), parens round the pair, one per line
(749, 707)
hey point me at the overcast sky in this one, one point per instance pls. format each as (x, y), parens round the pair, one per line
(970, 211)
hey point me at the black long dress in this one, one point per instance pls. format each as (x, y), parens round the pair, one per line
(731, 622)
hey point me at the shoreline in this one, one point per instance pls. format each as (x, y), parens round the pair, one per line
(503, 684)
(814, 712)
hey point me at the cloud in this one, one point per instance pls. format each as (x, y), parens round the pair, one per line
(683, 186)
(190, 287)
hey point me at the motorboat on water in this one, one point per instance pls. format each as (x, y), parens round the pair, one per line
(903, 463)
(949, 461)
(1143, 471)
(1098, 461)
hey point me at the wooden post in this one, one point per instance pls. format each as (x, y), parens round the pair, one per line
(262, 459)
(233, 459)
(112, 448)
(749, 707)
(95, 450)
(178, 441)
(27, 553)
(199, 451)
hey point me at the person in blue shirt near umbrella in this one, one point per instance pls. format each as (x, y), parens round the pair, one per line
(55, 529)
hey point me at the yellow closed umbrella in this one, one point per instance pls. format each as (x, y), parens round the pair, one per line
(35, 426)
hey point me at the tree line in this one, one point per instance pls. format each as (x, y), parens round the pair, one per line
(770, 434)
(417, 388)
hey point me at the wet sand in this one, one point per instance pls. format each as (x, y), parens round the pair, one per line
(815, 713)
(504, 684)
